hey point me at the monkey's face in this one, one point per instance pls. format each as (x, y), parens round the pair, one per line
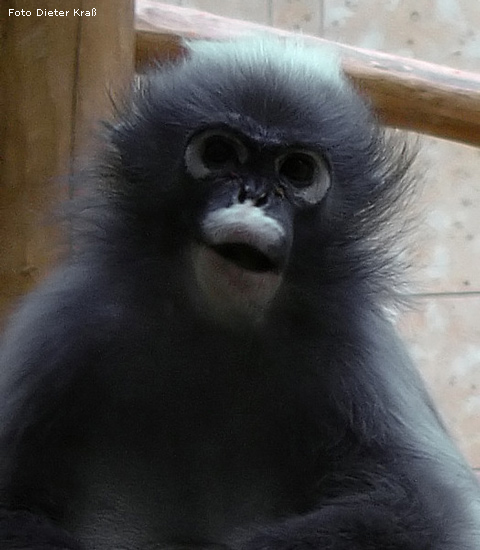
(261, 167)
(246, 227)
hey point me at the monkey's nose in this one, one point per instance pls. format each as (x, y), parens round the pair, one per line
(258, 197)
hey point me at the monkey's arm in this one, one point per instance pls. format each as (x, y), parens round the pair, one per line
(382, 518)
(394, 479)
(28, 531)
(47, 345)
(383, 507)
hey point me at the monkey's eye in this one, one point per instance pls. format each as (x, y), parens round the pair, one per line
(219, 151)
(213, 152)
(307, 172)
(298, 168)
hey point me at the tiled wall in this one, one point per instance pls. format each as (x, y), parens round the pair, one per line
(443, 329)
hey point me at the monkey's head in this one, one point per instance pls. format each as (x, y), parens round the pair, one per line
(258, 164)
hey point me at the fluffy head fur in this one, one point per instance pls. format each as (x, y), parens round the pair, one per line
(274, 92)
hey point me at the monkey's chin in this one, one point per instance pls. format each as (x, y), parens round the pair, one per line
(231, 292)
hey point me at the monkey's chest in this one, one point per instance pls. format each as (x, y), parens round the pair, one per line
(192, 485)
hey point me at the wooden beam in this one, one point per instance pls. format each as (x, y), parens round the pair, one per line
(55, 72)
(406, 93)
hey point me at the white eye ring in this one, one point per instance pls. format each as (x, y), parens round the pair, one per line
(306, 172)
(214, 151)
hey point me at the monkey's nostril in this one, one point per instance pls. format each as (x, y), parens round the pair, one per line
(242, 195)
(261, 200)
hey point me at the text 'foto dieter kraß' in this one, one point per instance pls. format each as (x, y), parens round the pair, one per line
(53, 13)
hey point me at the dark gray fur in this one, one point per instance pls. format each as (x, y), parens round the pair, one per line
(134, 419)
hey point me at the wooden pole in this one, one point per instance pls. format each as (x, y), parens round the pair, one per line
(406, 93)
(54, 73)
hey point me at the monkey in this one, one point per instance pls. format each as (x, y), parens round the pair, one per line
(214, 364)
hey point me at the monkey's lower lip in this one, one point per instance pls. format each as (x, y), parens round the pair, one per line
(236, 281)
(246, 257)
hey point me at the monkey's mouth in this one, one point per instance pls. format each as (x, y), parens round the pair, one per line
(246, 256)
(239, 261)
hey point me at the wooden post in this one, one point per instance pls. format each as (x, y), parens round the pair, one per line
(55, 71)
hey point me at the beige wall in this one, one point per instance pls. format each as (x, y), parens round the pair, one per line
(444, 328)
